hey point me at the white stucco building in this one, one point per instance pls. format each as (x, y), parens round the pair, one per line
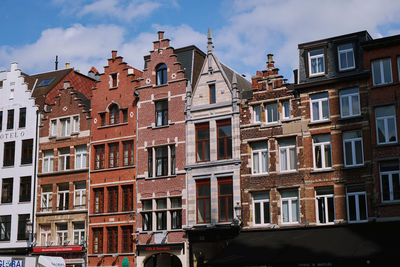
(18, 124)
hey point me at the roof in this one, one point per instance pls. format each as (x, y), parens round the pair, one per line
(312, 245)
(367, 36)
(381, 42)
(242, 83)
(54, 76)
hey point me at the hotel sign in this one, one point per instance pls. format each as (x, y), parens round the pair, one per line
(11, 135)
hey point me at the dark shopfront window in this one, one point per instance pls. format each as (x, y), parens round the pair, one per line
(163, 259)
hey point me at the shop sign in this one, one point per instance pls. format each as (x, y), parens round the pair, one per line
(58, 249)
(160, 248)
(9, 262)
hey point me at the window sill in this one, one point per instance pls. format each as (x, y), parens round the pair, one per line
(113, 168)
(113, 88)
(375, 86)
(160, 177)
(25, 164)
(60, 138)
(271, 124)
(259, 174)
(112, 125)
(160, 126)
(355, 167)
(322, 170)
(355, 117)
(8, 166)
(389, 203)
(311, 123)
(287, 172)
(315, 75)
(160, 85)
(347, 69)
(62, 172)
(387, 144)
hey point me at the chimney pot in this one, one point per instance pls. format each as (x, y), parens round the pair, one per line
(67, 65)
(160, 35)
(114, 54)
(270, 58)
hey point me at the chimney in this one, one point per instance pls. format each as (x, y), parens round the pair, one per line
(295, 74)
(270, 61)
(114, 54)
(67, 65)
(56, 62)
(160, 35)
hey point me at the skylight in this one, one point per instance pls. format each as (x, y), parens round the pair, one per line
(45, 82)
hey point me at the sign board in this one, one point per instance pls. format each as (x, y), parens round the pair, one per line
(11, 262)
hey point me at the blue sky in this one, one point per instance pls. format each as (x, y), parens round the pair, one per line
(83, 32)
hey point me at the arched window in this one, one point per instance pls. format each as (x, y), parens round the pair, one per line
(114, 114)
(161, 74)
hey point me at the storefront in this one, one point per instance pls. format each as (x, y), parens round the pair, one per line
(170, 255)
(74, 256)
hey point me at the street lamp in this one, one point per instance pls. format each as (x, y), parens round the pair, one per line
(237, 222)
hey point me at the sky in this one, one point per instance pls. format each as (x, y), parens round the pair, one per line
(84, 32)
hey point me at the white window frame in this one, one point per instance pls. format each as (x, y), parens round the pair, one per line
(64, 194)
(65, 127)
(325, 197)
(261, 202)
(286, 149)
(81, 234)
(80, 157)
(390, 182)
(381, 68)
(64, 236)
(53, 126)
(316, 58)
(284, 109)
(345, 94)
(385, 123)
(47, 236)
(320, 101)
(322, 144)
(260, 153)
(50, 161)
(346, 51)
(46, 198)
(267, 112)
(81, 195)
(357, 209)
(62, 161)
(353, 150)
(75, 126)
(290, 200)
(255, 108)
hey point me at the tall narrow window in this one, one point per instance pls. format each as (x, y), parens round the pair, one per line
(261, 208)
(112, 199)
(127, 197)
(127, 238)
(113, 155)
(353, 149)
(124, 115)
(102, 119)
(386, 131)
(27, 151)
(162, 112)
(346, 57)
(62, 234)
(7, 190)
(225, 200)
(97, 240)
(65, 127)
(112, 237)
(53, 127)
(172, 160)
(64, 159)
(114, 114)
(161, 74)
(147, 218)
(213, 99)
(45, 234)
(1, 120)
(80, 195)
(114, 80)
(319, 107)
(47, 198)
(22, 118)
(79, 233)
(9, 154)
(390, 180)
(80, 157)
(202, 142)
(22, 220)
(150, 161)
(99, 157)
(381, 71)
(203, 199)
(128, 153)
(257, 113)
(10, 119)
(63, 196)
(287, 155)
(161, 213)
(98, 203)
(322, 152)
(75, 128)
(349, 103)
(289, 206)
(259, 157)
(48, 161)
(5, 228)
(271, 113)
(356, 203)
(316, 62)
(286, 110)
(325, 205)
(161, 161)
(25, 189)
(224, 146)
(176, 213)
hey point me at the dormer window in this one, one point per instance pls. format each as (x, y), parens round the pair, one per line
(316, 62)
(346, 57)
(161, 74)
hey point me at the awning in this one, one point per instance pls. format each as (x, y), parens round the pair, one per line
(367, 243)
(47, 261)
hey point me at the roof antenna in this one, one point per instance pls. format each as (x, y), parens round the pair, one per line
(56, 62)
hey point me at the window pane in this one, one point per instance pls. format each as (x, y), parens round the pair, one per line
(385, 187)
(325, 109)
(257, 113)
(363, 206)
(391, 130)
(264, 161)
(256, 160)
(345, 106)
(348, 152)
(381, 131)
(203, 190)
(321, 210)
(315, 109)
(318, 157)
(294, 211)
(292, 156)
(376, 72)
(257, 213)
(387, 70)
(358, 148)
(396, 186)
(343, 61)
(285, 211)
(266, 212)
(331, 210)
(313, 65)
(225, 189)
(350, 60)
(222, 209)
(321, 67)
(328, 159)
(283, 159)
(352, 208)
(355, 105)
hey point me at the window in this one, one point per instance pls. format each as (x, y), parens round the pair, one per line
(173, 161)
(353, 149)
(161, 112)
(103, 119)
(80, 195)
(9, 154)
(99, 157)
(22, 118)
(65, 126)
(5, 228)
(316, 62)
(114, 114)
(48, 160)
(203, 199)
(53, 127)
(45, 82)
(225, 200)
(112, 199)
(113, 155)
(27, 151)
(7, 190)
(349, 103)
(224, 131)
(346, 57)
(161, 74)
(286, 110)
(147, 222)
(390, 180)
(80, 157)
(261, 208)
(45, 234)
(63, 159)
(62, 234)
(324, 202)
(127, 238)
(290, 206)
(47, 197)
(1, 120)
(176, 213)
(124, 115)
(381, 71)
(63, 196)
(164, 160)
(98, 200)
(112, 237)
(213, 99)
(161, 213)
(259, 157)
(79, 233)
(202, 142)
(150, 162)
(128, 153)
(386, 131)
(257, 113)
(97, 240)
(271, 113)
(127, 197)
(114, 80)
(76, 124)
(319, 107)
(22, 220)
(356, 203)
(398, 68)
(322, 152)
(287, 155)
(25, 189)
(10, 119)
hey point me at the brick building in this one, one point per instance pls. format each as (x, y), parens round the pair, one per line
(213, 156)
(161, 175)
(64, 135)
(112, 208)
(381, 56)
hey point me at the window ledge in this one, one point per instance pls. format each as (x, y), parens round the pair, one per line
(386, 144)
(74, 133)
(315, 75)
(160, 177)
(25, 164)
(62, 172)
(322, 170)
(160, 85)
(113, 88)
(288, 172)
(383, 85)
(350, 118)
(113, 168)
(259, 174)
(319, 122)
(112, 125)
(60, 138)
(347, 69)
(290, 119)
(272, 124)
(160, 126)
(353, 167)
(389, 203)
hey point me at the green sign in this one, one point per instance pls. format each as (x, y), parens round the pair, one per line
(125, 262)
